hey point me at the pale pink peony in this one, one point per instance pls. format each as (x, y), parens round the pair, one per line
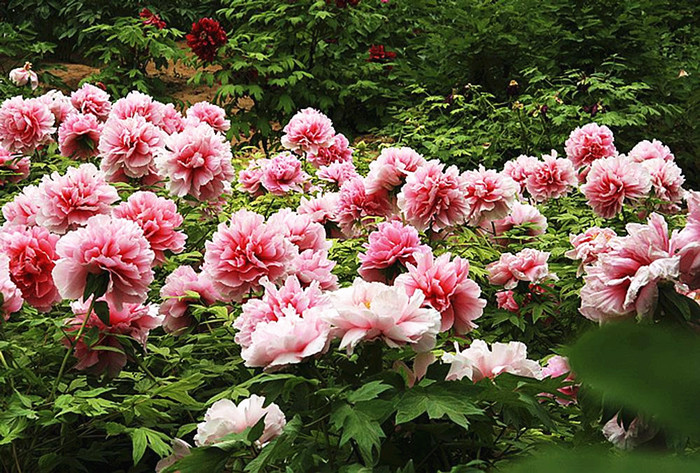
(180, 450)
(389, 170)
(105, 245)
(434, 197)
(225, 417)
(212, 115)
(527, 265)
(172, 121)
(368, 311)
(478, 361)
(32, 253)
(91, 99)
(13, 167)
(158, 218)
(634, 434)
(355, 206)
(447, 288)
(137, 104)
(67, 202)
(338, 173)
(613, 182)
(551, 178)
(22, 76)
(283, 174)
(197, 162)
(307, 131)
(524, 216)
(79, 135)
(241, 253)
(321, 208)
(489, 194)
(129, 146)
(177, 295)
(338, 151)
(59, 104)
(105, 354)
(314, 266)
(303, 232)
(589, 245)
(250, 178)
(559, 366)
(589, 143)
(520, 168)
(11, 296)
(24, 208)
(288, 340)
(686, 243)
(390, 248)
(25, 124)
(666, 180)
(505, 300)
(650, 150)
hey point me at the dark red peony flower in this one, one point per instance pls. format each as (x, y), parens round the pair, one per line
(205, 39)
(377, 53)
(150, 18)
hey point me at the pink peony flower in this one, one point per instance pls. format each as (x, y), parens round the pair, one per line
(389, 170)
(59, 105)
(368, 311)
(612, 182)
(24, 208)
(589, 245)
(197, 162)
(11, 296)
(67, 202)
(212, 115)
(321, 208)
(506, 301)
(79, 135)
(303, 232)
(22, 76)
(180, 450)
(551, 178)
(172, 121)
(283, 174)
(589, 143)
(478, 361)
(13, 168)
(307, 131)
(666, 180)
(288, 340)
(129, 145)
(446, 286)
(91, 99)
(177, 295)
(158, 218)
(488, 193)
(521, 215)
(25, 124)
(105, 245)
(520, 168)
(636, 433)
(338, 173)
(434, 198)
(338, 152)
(527, 265)
(137, 104)
(686, 243)
(105, 353)
(559, 366)
(250, 178)
(241, 253)
(391, 247)
(650, 150)
(224, 417)
(355, 206)
(311, 265)
(32, 254)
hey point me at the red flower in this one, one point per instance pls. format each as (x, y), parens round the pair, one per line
(377, 53)
(205, 39)
(150, 18)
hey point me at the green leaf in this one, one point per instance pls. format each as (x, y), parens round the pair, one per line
(368, 392)
(139, 442)
(211, 460)
(359, 426)
(437, 400)
(96, 285)
(102, 310)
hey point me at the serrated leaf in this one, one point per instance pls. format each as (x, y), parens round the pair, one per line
(368, 392)
(139, 442)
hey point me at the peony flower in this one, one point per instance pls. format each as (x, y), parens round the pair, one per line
(158, 218)
(67, 202)
(559, 366)
(551, 178)
(612, 182)
(589, 245)
(307, 131)
(22, 76)
(180, 450)
(212, 115)
(138, 104)
(338, 173)
(368, 311)
(320, 208)
(522, 215)
(391, 247)
(24, 208)
(25, 124)
(205, 39)
(447, 288)
(650, 150)
(303, 232)
(241, 253)
(434, 198)
(506, 301)
(478, 361)
(528, 265)
(314, 266)
(79, 135)
(686, 243)
(197, 162)
(59, 105)
(283, 174)
(13, 168)
(32, 254)
(489, 194)
(666, 180)
(172, 121)
(288, 340)
(250, 178)
(355, 206)
(105, 353)
(91, 99)
(589, 143)
(627, 438)
(108, 245)
(520, 168)
(178, 294)
(389, 170)
(224, 417)
(129, 146)
(338, 152)
(11, 296)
